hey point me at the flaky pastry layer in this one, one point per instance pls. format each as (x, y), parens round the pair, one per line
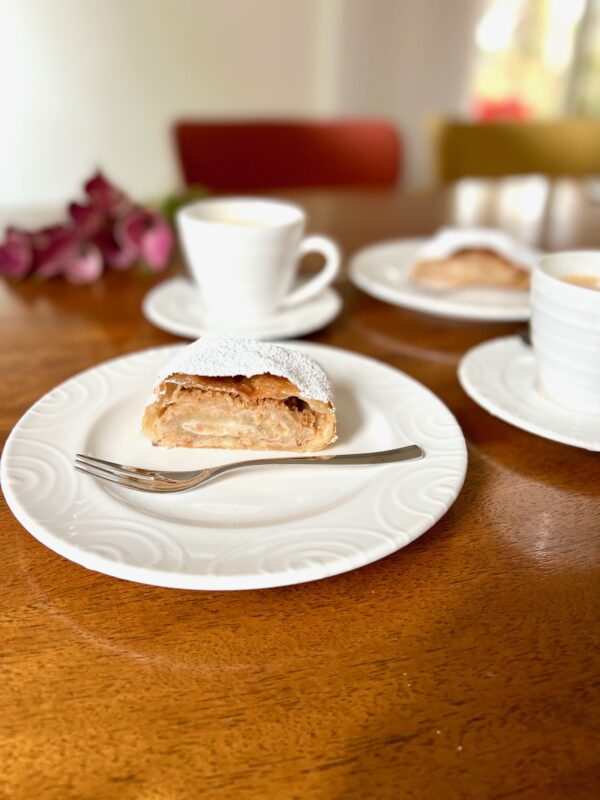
(263, 412)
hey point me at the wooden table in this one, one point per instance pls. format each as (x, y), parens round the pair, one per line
(463, 666)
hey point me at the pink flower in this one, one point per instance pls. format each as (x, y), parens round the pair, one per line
(43, 238)
(53, 248)
(84, 264)
(60, 251)
(117, 255)
(16, 254)
(106, 197)
(106, 229)
(87, 220)
(149, 234)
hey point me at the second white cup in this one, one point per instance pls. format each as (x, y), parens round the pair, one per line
(243, 253)
(565, 328)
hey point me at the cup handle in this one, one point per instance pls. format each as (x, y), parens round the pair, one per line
(329, 249)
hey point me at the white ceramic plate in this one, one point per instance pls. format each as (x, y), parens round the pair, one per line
(253, 529)
(383, 270)
(175, 306)
(500, 376)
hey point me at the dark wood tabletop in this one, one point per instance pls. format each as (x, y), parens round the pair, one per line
(464, 666)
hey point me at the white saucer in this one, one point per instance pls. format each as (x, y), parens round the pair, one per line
(269, 526)
(383, 271)
(500, 376)
(175, 307)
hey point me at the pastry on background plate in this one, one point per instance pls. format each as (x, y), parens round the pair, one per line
(457, 258)
(241, 394)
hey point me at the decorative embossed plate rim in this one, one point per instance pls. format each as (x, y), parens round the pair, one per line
(369, 271)
(174, 306)
(358, 514)
(499, 375)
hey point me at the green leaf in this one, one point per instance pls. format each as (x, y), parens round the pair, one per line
(173, 202)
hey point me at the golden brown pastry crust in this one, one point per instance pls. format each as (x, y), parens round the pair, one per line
(263, 412)
(471, 267)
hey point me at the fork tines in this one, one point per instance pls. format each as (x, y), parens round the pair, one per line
(130, 477)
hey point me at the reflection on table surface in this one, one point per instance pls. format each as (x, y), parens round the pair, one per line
(466, 659)
(550, 215)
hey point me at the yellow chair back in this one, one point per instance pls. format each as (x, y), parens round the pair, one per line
(491, 149)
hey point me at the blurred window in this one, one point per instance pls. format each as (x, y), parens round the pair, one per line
(585, 95)
(537, 59)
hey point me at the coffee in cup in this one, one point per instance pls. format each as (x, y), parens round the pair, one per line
(586, 281)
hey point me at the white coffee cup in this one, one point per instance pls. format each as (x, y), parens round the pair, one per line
(565, 329)
(243, 253)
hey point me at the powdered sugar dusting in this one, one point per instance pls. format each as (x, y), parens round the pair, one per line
(226, 356)
(451, 240)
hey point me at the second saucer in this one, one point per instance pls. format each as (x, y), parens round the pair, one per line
(500, 376)
(175, 306)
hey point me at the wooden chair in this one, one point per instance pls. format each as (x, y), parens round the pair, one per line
(233, 156)
(566, 147)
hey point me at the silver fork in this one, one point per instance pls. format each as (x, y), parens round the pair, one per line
(148, 480)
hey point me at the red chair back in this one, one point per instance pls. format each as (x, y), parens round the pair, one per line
(248, 156)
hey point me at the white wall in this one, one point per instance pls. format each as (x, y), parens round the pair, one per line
(406, 60)
(98, 82)
(86, 82)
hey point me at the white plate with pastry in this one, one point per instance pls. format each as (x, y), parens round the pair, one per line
(175, 306)
(466, 274)
(500, 376)
(256, 528)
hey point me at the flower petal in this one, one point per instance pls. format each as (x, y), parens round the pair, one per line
(53, 248)
(105, 196)
(118, 255)
(157, 245)
(150, 235)
(131, 228)
(87, 219)
(16, 254)
(84, 264)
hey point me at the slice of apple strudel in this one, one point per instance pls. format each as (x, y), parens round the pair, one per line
(458, 258)
(241, 394)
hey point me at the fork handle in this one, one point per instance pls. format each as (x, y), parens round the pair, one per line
(408, 453)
